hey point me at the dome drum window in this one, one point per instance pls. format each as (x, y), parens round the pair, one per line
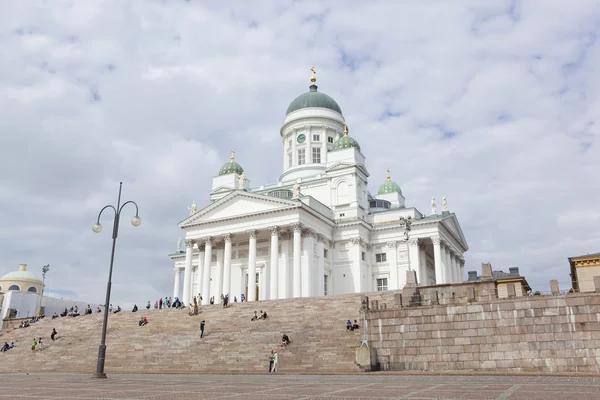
(14, 287)
(282, 194)
(32, 289)
(380, 204)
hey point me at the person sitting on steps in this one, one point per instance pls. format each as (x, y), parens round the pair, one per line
(348, 325)
(263, 315)
(143, 321)
(53, 334)
(135, 308)
(255, 317)
(285, 340)
(6, 347)
(118, 309)
(355, 326)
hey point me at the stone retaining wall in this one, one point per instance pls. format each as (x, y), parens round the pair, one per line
(535, 334)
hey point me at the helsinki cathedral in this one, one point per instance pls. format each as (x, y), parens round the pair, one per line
(317, 231)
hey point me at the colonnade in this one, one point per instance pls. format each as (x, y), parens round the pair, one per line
(303, 281)
(449, 264)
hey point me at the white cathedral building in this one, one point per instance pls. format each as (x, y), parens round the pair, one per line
(318, 231)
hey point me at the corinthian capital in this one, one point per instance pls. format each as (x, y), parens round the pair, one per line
(252, 233)
(413, 242)
(436, 240)
(297, 227)
(189, 242)
(208, 241)
(355, 240)
(227, 237)
(274, 230)
(391, 245)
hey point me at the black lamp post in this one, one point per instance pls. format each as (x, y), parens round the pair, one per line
(135, 221)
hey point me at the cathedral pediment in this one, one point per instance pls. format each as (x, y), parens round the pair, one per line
(453, 226)
(239, 204)
(343, 165)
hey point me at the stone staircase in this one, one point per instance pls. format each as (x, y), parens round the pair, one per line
(171, 343)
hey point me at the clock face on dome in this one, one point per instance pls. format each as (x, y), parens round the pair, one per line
(301, 138)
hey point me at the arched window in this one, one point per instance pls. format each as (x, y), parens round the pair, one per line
(343, 196)
(32, 289)
(14, 287)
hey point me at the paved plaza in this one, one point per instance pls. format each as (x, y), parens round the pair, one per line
(288, 387)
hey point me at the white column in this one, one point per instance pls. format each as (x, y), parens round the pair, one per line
(320, 280)
(455, 269)
(284, 267)
(296, 273)
(227, 265)
(187, 274)
(392, 255)
(274, 264)
(177, 283)
(294, 149)
(219, 277)
(308, 265)
(447, 278)
(262, 283)
(415, 258)
(356, 268)
(423, 278)
(252, 266)
(437, 256)
(200, 270)
(206, 275)
(324, 151)
(461, 265)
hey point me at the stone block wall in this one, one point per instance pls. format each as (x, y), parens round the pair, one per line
(531, 334)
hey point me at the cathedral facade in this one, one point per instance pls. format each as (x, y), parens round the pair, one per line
(318, 231)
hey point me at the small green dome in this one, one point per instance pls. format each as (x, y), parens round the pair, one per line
(231, 168)
(389, 187)
(345, 141)
(313, 99)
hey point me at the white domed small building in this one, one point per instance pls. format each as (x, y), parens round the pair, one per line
(20, 280)
(318, 230)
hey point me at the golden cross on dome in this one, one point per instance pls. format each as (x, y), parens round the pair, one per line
(232, 154)
(388, 177)
(313, 78)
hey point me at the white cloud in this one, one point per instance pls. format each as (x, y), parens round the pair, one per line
(155, 94)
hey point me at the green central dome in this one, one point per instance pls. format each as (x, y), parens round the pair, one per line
(313, 99)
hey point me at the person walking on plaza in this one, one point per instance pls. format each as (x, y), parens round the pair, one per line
(160, 303)
(148, 305)
(202, 329)
(275, 360)
(33, 344)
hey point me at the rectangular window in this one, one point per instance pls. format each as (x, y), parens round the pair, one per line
(363, 256)
(290, 144)
(325, 285)
(289, 159)
(325, 253)
(301, 156)
(382, 284)
(380, 257)
(316, 138)
(316, 154)
(329, 139)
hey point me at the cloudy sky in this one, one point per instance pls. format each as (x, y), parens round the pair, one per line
(493, 104)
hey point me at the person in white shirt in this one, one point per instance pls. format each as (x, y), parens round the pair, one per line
(275, 360)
